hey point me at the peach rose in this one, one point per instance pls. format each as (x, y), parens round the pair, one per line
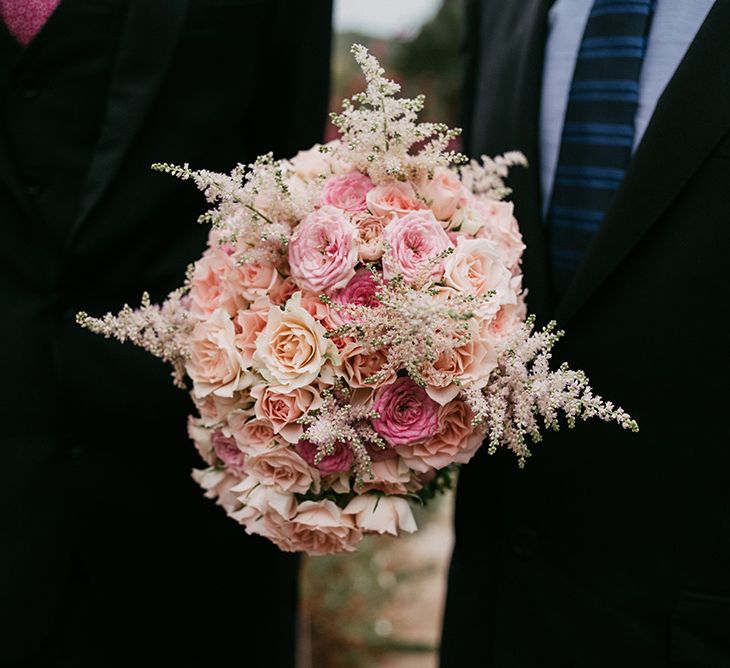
(215, 363)
(253, 435)
(508, 319)
(323, 251)
(249, 324)
(476, 268)
(281, 291)
(292, 348)
(501, 226)
(218, 484)
(414, 239)
(313, 162)
(455, 441)
(200, 436)
(283, 409)
(257, 279)
(470, 363)
(395, 198)
(369, 236)
(391, 476)
(443, 193)
(214, 409)
(319, 527)
(375, 513)
(260, 499)
(216, 283)
(358, 363)
(283, 467)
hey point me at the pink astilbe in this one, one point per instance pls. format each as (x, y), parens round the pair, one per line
(524, 392)
(412, 325)
(164, 331)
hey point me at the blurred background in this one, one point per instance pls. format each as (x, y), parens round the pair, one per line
(382, 606)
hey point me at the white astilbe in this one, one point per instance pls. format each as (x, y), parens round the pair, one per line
(524, 392)
(163, 330)
(339, 421)
(412, 325)
(487, 177)
(381, 135)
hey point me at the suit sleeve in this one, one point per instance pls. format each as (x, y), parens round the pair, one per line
(291, 112)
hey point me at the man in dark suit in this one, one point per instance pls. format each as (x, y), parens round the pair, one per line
(610, 548)
(109, 554)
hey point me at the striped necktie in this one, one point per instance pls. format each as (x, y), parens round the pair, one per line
(598, 131)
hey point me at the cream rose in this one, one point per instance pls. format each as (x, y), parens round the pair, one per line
(374, 513)
(283, 467)
(215, 363)
(292, 348)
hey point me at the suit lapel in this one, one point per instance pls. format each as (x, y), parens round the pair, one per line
(146, 46)
(690, 118)
(504, 98)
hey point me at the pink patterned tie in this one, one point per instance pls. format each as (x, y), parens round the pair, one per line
(25, 18)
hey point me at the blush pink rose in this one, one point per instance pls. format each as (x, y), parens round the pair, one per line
(340, 460)
(228, 452)
(214, 409)
(199, 434)
(218, 485)
(443, 193)
(375, 513)
(215, 363)
(281, 291)
(313, 162)
(391, 476)
(508, 319)
(414, 239)
(323, 251)
(456, 440)
(283, 467)
(407, 414)
(369, 236)
(347, 192)
(216, 283)
(283, 409)
(395, 198)
(358, 364)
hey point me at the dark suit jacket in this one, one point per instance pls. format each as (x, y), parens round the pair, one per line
(108, 550)
(610, 548)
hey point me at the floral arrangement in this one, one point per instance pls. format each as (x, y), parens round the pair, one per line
(356, 328)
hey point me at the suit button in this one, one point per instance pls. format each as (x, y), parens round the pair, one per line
(27, 86)
(525, 543)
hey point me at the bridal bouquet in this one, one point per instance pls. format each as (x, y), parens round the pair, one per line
(356, 328)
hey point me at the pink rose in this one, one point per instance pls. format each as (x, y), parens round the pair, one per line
(323, 251)
(375, 513)
(313, 162)
(281, 291)
(444, 193)
(283, 409)
(347, 192)
(407, 413)
(369, 236)
(501, 226)
(284, 468)
(216, 283)
(228, 452)
(455, 441)
(508, 319)
(393, 198)
(319, 527)
(215, 363)
(319, 310)
(414, 239)
(360, 291)
(339, 460)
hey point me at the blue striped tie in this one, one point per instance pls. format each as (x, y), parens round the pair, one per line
(598, 132)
